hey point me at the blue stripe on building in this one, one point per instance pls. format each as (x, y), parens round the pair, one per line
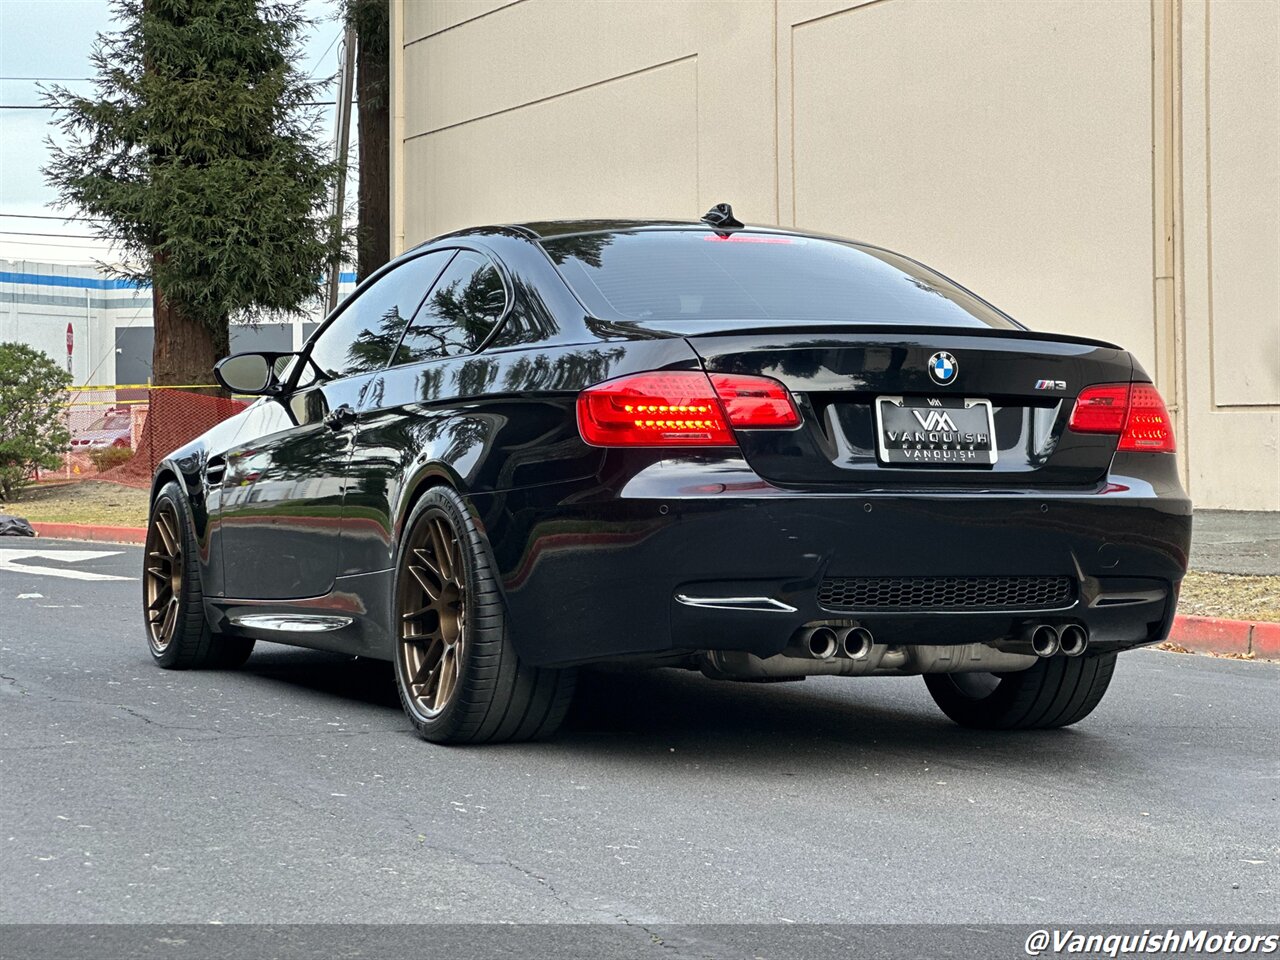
(96, 283)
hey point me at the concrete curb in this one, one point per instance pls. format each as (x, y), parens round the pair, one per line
(93, 532)
(1195, 634)
(1221, 636)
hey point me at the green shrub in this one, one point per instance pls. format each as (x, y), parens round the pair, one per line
(33, 427)
(104, 458)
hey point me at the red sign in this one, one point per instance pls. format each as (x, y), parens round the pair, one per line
(71, 339)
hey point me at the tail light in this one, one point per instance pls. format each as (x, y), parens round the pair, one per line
(755, 403)
(1149, 426)
(1133, 411)
(681, 408)
(1101, 409)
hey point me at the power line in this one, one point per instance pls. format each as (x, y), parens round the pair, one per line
(320, 59)
(32, 233)
(42, 106)
(71, 242)
(49, 216)
(58, 246)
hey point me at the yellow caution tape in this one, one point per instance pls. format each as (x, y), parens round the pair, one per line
(146, 386)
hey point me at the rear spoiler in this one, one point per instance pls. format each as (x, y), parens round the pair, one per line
(711, 328)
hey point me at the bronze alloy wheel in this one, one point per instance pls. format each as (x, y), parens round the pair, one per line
(458, 675)
(179, 634)
(164, 565)
(433, 629)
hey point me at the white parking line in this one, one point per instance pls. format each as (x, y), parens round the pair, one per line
(9, 558)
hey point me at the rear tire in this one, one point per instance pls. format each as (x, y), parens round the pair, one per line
(178, 633)
(457, 672)
(1056, 692)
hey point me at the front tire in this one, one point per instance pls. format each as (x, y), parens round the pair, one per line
(178, 633)
(457, 672)
(1055, 692)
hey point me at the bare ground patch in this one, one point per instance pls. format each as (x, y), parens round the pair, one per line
(1230, 595)
(84, 501)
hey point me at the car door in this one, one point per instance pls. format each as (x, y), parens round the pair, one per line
(411, 413)
(280, 513)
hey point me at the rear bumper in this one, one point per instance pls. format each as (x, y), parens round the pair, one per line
(596, 573)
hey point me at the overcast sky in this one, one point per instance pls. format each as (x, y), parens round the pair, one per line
(53, 39)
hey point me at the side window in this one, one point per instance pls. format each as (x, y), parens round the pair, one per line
(460, 312)
(365, 334)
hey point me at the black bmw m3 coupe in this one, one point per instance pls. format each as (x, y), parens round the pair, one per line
(758, 453)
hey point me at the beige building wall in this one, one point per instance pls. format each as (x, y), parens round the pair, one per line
(1103, 167)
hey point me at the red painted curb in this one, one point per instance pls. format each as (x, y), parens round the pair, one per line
(1211, 634)
(1218, 635)
(94, 532)
(1266, 641)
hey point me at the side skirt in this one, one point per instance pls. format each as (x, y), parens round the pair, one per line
(351, 618)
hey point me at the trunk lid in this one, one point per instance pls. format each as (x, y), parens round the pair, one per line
(875, 416)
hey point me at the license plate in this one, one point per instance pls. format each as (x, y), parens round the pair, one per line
(935, 432)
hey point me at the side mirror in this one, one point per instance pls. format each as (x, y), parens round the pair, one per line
(255, 374)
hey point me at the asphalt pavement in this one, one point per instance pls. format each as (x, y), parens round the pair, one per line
(1236, 541)
(293, 790)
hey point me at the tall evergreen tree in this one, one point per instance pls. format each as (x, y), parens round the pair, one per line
(202, 154)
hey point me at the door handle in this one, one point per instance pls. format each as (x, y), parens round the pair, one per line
(339, 418)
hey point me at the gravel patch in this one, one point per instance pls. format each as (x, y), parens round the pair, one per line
(1227, 595)
(84, 501)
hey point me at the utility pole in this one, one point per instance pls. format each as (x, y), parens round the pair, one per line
(342, 139)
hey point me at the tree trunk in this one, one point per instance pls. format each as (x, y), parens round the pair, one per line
(185, 350)
(373, 237)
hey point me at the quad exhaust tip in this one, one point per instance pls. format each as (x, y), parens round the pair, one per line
(856, 643)
(821, 643)
(1073, 640)
(1044, 640)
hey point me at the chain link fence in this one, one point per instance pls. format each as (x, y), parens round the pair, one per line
(120, 432)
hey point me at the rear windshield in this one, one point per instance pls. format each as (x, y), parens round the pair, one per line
(112, 421)
(698, 275)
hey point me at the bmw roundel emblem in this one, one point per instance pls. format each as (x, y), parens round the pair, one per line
(943, 367)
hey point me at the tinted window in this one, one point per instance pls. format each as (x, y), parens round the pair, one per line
(459, 315)
(364, 335)
(697, 275)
